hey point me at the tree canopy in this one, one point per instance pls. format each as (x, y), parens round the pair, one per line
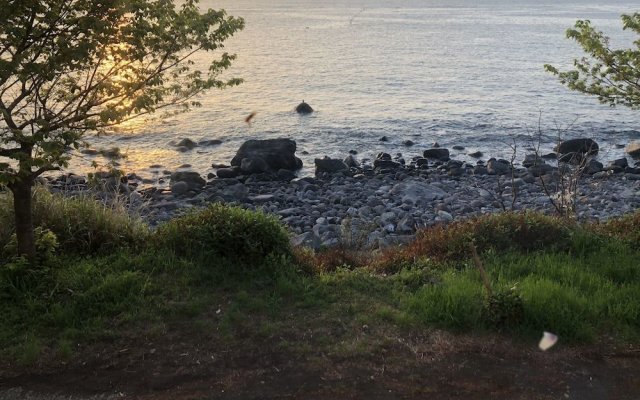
(613, 75)
(68, 67)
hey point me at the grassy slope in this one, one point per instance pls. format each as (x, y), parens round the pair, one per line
(583, 284)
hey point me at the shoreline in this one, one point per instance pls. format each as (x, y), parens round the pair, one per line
(376, 206)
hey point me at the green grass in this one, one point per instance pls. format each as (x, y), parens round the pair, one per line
(245, 239)
(82, 225)
(230, 272)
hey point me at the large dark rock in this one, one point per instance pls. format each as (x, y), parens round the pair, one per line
(226, 173)
(351, 161)
(593, 167)
(620, 162)
(385, 164)
(275, 154)
(437, 153)
(304, 108)
(255, 165)
(579, 146)
(330, 165)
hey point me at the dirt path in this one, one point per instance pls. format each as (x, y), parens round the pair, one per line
(437, 366)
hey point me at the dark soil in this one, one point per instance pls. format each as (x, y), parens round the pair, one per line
(436, 365)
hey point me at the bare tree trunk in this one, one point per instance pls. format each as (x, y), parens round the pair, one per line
(23, 218)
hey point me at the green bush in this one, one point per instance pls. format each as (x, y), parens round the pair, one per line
(226, 234)
(498, 232)
(81, 225)
(625, 229)
(504, 309)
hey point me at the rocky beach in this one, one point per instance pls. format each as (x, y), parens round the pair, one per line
(381, 202)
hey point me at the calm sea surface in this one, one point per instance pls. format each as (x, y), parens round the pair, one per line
(464, 73)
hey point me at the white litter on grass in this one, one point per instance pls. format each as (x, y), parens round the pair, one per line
(547, 341)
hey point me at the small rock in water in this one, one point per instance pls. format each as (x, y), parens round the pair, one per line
(408, 143)
(383, 139)
(304, 108)
(186, 143)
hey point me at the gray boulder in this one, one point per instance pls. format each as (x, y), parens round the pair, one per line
(498, 167)
(235, 192)
(330, 165)
(255, 165)
(179, 188)
(276, 153)
(192, 179)
(415, 191)
(226, 173)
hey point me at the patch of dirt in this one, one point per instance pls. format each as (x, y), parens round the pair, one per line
(436, 365)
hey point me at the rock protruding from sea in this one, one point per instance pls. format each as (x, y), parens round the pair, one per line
(437, 153)
(268, 155)
(304, 108)
(577, 148)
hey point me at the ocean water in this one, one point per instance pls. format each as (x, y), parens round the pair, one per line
(455, 72)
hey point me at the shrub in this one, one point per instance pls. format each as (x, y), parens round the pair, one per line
(625, 229)
(330, 259)
(230, 234)
(81, 225)
(504, 309)
(499, 232)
